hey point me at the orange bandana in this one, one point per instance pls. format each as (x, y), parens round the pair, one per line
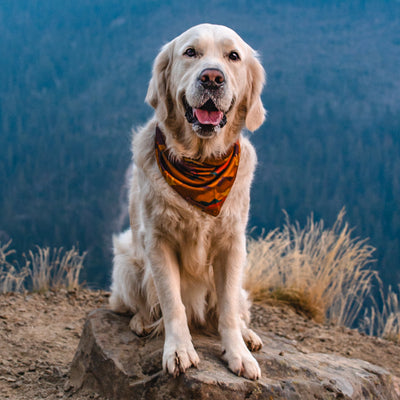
(207, 184)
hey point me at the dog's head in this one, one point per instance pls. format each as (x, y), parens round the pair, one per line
(207, 80)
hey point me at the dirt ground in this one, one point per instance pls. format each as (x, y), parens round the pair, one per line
(39, 334)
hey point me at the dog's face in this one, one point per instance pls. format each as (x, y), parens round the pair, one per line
(207, 79)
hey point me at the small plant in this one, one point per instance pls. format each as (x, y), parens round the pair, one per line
(44, 269)
(322, 272)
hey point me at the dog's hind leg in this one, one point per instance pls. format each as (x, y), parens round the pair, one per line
(132, 289)
(140, 324)
(252, 340)
(126, 276)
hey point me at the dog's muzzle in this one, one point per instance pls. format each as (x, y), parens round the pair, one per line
(208, 117)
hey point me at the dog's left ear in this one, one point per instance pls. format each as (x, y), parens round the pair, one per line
(158, 86)
(255, 110)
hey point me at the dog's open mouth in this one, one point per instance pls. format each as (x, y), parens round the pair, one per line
(208, 114)
(205, 118)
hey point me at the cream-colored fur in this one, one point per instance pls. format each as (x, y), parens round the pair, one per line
(177, 266)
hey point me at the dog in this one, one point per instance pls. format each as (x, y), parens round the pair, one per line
(181, 262)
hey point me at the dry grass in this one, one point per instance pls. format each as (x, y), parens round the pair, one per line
(11, 278)
(383, 320)
(43, 269)
(322, 272)
(53, 269)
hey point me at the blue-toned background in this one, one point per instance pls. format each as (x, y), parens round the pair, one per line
(73, 77)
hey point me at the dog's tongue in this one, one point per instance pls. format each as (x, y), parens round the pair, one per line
(208, 117)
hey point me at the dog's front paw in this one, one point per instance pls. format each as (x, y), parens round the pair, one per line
(178, 357)
(242, 363)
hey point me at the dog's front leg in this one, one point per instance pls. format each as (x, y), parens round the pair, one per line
(179, 353)
(228, 269)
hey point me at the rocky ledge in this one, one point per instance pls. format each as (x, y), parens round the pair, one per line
(115, 363)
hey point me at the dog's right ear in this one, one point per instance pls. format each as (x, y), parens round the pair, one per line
(158, 86)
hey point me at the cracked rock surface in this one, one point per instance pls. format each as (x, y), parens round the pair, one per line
(115, 363)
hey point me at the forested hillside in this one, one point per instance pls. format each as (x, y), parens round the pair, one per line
(73, 77)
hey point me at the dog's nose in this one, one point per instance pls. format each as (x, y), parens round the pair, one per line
(212, 78)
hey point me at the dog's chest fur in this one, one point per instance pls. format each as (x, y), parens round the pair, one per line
(196, 236)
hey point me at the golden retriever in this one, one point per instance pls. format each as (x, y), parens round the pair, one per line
(182, 260)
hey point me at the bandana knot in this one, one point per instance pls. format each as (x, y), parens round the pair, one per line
(205, 185)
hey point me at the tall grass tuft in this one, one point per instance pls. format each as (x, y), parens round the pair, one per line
(53, 269)
(383, 319)
(11, 279)
(324, 273)
(43, 269)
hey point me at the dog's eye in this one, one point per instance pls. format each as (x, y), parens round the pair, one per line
(234, 56)
(190, 52)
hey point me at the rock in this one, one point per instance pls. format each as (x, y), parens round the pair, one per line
(115, 363)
